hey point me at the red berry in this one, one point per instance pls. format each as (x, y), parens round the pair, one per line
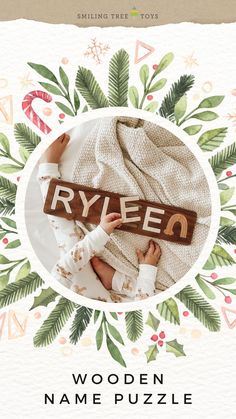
(228, 299)
(5, 241)
(155, 66)
(162, 335)
(214, 275)
(154, 338)
(62, 115)
(120, 312)
(229, 173)
(18, 178)
(149, 97)
(160, 343)
(185, 313)
(234, 250)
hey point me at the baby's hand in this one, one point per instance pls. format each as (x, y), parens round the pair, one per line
(110, 222)
(152, 256)
(56, 149)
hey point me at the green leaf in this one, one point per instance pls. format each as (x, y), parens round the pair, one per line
(23, 271)
(165, 61)
(180, 108)
(193, 129)
(134, 324)
(44, 298)
(118, 79)
(44, 72)
(7, 189)
(227, 235)
(96, 315)
(223, 186)
(211, 102)
(76, 100)
(4, 281)
(9, 222)
(134, 96)
(205, 116)
(169, 310)
(177, 90)
(200, 308)
(24, 154)
(50, 88)
(80, 323)
(6, 207)
(226, 195)
(115, 334)
(232, 291)
(4, 143)
(151, 353)
(99, 336)
(9, 168)
(151, 107)
(157, 86)
(114, 315)
(115, 352)
(144, 74)
(175, 348)
(4, 260)
(54, 323)
(223, 159)
(218, 257)
(233, 210)
(64, 108)
(224, 221)
(212, 139)
(90, 89)
(152, 321)
(205, 288)
(26, 137)
(20, 289)
(225, 281)
(13, 244)
(85, 109)
(64, 78)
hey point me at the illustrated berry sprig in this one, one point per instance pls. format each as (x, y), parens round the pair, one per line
(211, 283)
(6, 153)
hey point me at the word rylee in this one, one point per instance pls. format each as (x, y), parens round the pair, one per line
(73, 201)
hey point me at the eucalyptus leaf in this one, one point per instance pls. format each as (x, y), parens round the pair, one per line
(64, 108)
(225, 281)
(226, 195)
(9, 168)
(24, 154)
(9, 222)
(157, 86)
(193, 129)
(13, 244)
(144, 74)
(44, 72)
(51, 89)
(223, 186)
(211, 102)
(205, 116)
(165, 61)
(180, 108)
(76, 100)
(224, 221)
(64, 78)
(151, 107)
(23, 271)
(134, 96)
(4, 260)
(4, 143)
(205, 288)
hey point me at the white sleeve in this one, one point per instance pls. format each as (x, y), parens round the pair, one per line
(80, 254)
(136, 288)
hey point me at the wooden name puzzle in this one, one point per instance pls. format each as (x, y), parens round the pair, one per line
(77, 202)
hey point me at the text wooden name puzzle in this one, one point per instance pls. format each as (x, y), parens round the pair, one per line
(78, 202)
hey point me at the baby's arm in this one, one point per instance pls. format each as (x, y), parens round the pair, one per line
(144, 285)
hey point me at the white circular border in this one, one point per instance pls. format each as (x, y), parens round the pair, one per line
(37, 266)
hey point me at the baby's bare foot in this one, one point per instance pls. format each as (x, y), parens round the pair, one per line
(104, 271)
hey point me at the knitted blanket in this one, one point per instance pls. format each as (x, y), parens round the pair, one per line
(135, 157)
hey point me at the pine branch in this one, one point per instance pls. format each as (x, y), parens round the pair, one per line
(178, 89)
(201, 309)
(7, 189)
(134, 324)
(118, 79)
(80, 323)
(54, 323)
(89, 88)
(6, 207)
(20, 289)
(227, 235)
(223, 159)
(26, 137)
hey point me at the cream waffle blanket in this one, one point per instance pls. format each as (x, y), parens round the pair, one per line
(135, 157)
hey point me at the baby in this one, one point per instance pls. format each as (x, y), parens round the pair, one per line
(79, 247)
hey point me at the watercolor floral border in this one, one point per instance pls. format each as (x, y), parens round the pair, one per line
(16, 279)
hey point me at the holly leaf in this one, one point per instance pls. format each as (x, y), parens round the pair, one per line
(151, 353)
(169, 310)
(175, 348)
(152, 321)
(205, 288)
(44, 298)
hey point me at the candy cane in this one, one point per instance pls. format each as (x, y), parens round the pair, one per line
(29, 111)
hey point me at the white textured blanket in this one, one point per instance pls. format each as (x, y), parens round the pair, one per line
(135, 157)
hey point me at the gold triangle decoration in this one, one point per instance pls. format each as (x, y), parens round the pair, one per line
(230, 324)
(6, 109)
(17, 323)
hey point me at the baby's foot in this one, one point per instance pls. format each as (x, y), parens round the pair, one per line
(104, 271)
